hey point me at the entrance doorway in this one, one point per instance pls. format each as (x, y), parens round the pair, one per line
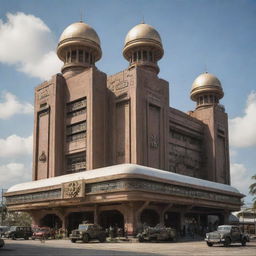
(111, 218)
(76, 218)
(52, 221)
(149, 217)
(172, 219)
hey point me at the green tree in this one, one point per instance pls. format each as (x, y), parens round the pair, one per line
(17, 219)
(252, 191)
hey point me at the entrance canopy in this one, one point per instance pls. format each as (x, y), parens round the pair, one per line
(120, 183)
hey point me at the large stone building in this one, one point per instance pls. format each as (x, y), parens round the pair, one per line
(111, 150)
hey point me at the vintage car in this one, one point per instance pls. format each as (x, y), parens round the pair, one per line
(158, 233)
(1, 243)
(87, 232)
(3, 229)
(19, 232)
(226, 234)
(43, 233)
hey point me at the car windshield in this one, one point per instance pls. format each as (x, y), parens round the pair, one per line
(224, 228)
(13, 228)
(43, 229)
(83, 227)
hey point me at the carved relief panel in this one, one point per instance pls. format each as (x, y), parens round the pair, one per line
(73, 189)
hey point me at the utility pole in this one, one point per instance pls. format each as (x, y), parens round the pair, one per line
(2, 206)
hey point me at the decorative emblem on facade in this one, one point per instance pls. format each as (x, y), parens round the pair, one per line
(154, 141)
(72, 189)
(43, 93)
(42, 157)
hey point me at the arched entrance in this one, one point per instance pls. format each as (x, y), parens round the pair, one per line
(51, 220)
(149, 217)
(172, 219)
(111, 218)
(76, 218)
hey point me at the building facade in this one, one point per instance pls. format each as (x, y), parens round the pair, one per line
(87, 123)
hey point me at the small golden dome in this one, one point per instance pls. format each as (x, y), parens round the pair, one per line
(206, 83)
(143, 35)
(79, 34)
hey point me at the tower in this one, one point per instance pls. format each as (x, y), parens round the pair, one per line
(140, 101)
(207, 91)
(70, 109)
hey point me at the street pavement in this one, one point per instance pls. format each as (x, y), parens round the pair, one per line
(66, 248)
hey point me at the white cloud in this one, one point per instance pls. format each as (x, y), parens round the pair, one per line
(240, 177)
(14, 173)
(242, 130)
(28, 43)
(14, 146)
(10, 105)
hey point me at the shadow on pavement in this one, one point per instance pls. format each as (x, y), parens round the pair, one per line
(19, 249)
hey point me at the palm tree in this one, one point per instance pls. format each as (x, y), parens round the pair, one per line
(252, 191)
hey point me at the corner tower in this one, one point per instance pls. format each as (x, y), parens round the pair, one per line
(140, 102)
(207, 91)
(70, 109)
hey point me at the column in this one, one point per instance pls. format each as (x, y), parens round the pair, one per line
(96, 214)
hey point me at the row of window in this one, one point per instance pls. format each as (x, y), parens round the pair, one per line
(76, 162)
(77, 136)
(184, 138)
(76, 128)
(141, 55)
(207, 99)
(77, 107)
(79, 56)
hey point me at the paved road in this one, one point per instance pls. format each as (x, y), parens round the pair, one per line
(66, 248)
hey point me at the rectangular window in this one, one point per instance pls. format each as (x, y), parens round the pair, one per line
(76, 162)
(76, 107)
(144, 55)
(80, 56)
(139, 55)
(73, 56)
(150, 56)
(76, 128)
(77, 136)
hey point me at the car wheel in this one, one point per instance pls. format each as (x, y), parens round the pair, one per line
(26, 237)
(13, 237)
(209, 244)
(85, 238)
(243, 242)
(227, 242)
(73, 240)
(141, 239)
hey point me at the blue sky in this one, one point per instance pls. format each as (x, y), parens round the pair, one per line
(217, 35)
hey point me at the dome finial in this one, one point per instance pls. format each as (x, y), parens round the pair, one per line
(81, 16)
(205, 68)
(143, 21)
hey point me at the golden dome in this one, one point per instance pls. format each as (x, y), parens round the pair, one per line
(206, 83)
(143, 35)
(79, 34)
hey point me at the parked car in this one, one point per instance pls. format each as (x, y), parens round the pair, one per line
(1, 243)
(19, 232)
(43, 233)
(3, 229)
(226, 234)
(87, 232)
(158, 233)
